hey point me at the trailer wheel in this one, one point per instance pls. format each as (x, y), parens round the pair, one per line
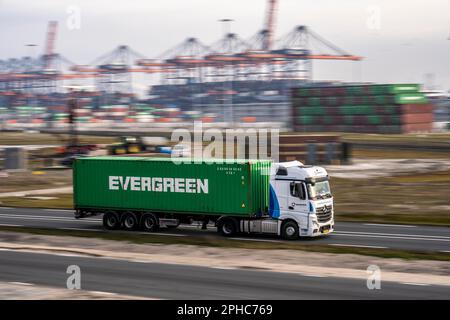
(289, 230)
(129, 221)
(111, 221)
(228, 227)
(149, 222)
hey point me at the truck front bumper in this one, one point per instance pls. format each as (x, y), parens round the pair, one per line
(319, 229)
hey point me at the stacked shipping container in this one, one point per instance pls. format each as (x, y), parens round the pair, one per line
(379, 108)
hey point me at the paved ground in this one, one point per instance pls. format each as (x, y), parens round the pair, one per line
(165, 281)
(26, 291)
(405, 237)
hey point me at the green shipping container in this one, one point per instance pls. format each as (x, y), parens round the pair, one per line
(161, 185)
(306, 120)
(410, 98)
(374, 120)
(306, 111)
(394, 88)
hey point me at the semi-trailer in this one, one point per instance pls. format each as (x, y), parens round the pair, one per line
(289, 199)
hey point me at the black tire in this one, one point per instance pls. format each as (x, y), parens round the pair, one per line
(289, 230)
(228, 227)
(149, 222)
(111, 221)
(130, 221)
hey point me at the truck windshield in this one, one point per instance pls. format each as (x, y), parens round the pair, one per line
(320, 190)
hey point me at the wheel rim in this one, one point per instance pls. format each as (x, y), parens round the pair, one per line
(148, 223)
(227, 228)
(111, 221)
(290, 231)
(129, 222)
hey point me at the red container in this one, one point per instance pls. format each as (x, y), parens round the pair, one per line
(417, 127)
(360, 120)
(248, 119)
(332, 111)
(417, 108)
(357, 100)
(409, 118)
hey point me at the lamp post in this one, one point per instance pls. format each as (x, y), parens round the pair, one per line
(229, 118)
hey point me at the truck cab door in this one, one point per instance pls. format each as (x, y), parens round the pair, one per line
(297, 197)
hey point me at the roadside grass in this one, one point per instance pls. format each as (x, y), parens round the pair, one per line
(32, 180)
(392, 153)
(440, 137)
(421, 198)
(205, 241)
(61, 201)
(24, 138)
(397, 138)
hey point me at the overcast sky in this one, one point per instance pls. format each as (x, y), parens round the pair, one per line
(401, 40)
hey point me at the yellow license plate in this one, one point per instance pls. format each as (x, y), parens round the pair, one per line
(325, 231)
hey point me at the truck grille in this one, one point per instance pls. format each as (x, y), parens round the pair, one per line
(324, 213)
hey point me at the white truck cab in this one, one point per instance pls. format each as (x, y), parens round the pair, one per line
(301, 203)
(304, 196)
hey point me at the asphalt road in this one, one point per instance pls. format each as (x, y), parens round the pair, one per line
(165, 281)
(403, 237)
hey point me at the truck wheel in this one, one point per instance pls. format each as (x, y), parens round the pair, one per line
(289, 230)
(228, 227)
(149, 222)
(129, 221)
(111, 221)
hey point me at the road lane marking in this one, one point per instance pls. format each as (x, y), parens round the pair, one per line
(6, 208)
(356, 245)
(313, 275)
(46, 217)
(58, 210)
(10, 225)
(126, 232)
(391, 234)
(40, 218)
(53, 220)
(445, 251)
(416, 284)
(141, 261)
(21, 283)
(80, 229)
(103, 293)
(389, 225)
(250, 239)
(388, 237)
(223, 268)
(161, 234)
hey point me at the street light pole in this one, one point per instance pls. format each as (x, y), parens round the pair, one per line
(230, 117)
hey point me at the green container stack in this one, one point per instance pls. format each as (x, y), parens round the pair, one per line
(366, 108)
